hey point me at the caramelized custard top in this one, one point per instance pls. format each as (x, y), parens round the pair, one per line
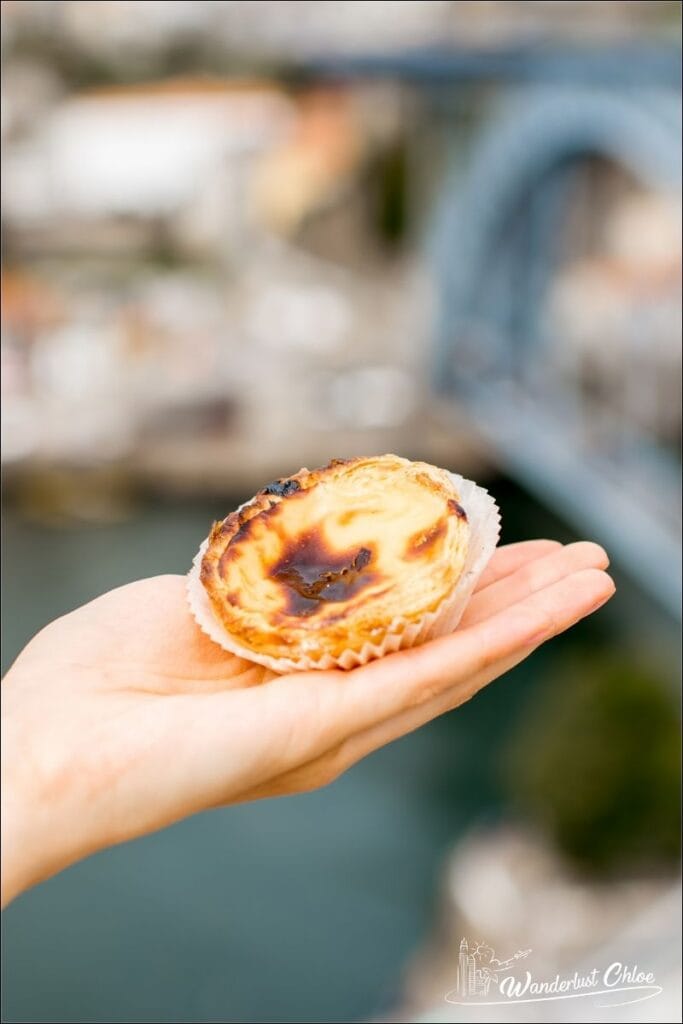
(326, 559)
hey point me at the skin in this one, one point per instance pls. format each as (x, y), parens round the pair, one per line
(122, 717)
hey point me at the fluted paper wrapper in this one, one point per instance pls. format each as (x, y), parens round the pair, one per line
(484, 522)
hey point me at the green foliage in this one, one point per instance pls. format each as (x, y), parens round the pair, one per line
(595, 763)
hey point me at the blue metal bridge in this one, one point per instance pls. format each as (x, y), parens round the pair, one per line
(494, 253)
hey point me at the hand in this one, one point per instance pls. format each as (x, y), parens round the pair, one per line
(122, 717)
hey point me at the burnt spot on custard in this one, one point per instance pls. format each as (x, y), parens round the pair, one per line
(282, 488)
(457, 509)
(426, 543)
(310, 574)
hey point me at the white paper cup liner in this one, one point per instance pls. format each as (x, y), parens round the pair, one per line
(484, 521)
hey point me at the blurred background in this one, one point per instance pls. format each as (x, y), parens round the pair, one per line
(243, 237)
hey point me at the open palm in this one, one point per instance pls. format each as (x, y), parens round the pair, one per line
(122, 717)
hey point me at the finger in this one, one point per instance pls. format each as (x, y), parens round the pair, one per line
(317, 711)
(567, 601)
(363, 744)
(511, 557)
(412, 676)
(533, 575)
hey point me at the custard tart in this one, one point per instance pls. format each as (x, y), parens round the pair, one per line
(338, 565)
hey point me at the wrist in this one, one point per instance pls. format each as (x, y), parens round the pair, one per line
(35, 834)
(18, 855)
(36, 839)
